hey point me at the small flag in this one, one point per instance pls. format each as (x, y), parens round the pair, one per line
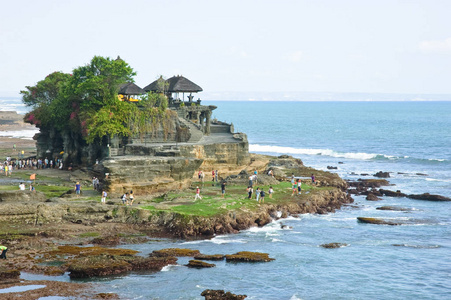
(32, 176)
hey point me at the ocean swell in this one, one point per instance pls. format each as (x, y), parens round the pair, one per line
(349, 155)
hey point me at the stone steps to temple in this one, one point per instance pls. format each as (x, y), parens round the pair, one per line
(196, 134)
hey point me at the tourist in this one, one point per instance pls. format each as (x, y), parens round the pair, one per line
(250, 190)
(132, 197)
(104, 194)
(294, 189)
(299, 186)
(3, 249)
(270, 192)
(223, 184)
(124, 198)
(32, 187)
(313, 179)
(77, 188)
(213, 176)
(216, 175)
(94, 183)
(199, 175)
(293, 181)
(202, 175)
(270, 173)
(22, 186)
(262, 197)
(257, 193)
(251, 183)
(6, 169)
(197, 194)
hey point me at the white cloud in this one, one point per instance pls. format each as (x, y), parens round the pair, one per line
(436, 46)
(295, 56)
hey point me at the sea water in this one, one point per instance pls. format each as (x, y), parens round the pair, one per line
(411, 140)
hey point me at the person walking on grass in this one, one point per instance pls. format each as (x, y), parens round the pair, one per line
(197, 194)
(270, 192)
(250, 190)
(262, 197)
(299, 186)
(257, 194)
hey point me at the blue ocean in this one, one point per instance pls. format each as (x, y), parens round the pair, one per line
(411, 140)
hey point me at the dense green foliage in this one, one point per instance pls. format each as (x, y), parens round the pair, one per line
(86, 103)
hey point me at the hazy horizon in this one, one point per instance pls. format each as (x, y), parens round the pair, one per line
(326, 46)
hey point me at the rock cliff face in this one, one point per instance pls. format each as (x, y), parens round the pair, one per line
(194, 226)
(151, 174)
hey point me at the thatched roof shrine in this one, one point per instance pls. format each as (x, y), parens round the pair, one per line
(130, 88)
(176, 84)
(179, 84)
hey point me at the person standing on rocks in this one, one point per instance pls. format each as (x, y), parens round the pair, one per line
(104, 194)
(77, 188)
(216, 175)
(213, 176)
(197, 194)
(223, 184)
(132, 197)
(3, 249)
(313, 179)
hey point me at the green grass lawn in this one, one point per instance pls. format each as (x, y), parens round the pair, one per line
(235, 199)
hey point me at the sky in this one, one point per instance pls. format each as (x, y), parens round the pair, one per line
(326, 46)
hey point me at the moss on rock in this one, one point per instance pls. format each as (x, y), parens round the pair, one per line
(177, 252)
(247, 256)
(198, 264)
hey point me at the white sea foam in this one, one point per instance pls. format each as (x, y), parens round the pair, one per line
(26, 134)
(324, 152)
(169, 268)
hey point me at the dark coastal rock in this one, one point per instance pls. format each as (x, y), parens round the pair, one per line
(198, 264)
(177, 252)
(429, 197)
(8, 274)
(340, 163)
(421, 174)
(379, 221)
(372, 197)
(364, 174)
(334, 245)
(209, 257)
(369, 183)
(221, 295)
(381, 174)
(246, 256)
(392, 193)
(105, 265)
(106, 241)
(393, 208)
(331, 168)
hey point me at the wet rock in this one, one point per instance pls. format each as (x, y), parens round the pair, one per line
(368, 183)
(107, 241)
(393, 208)
(246, 256)
(221, 295)
(105, 265)
(429, 197)
(392, 193)
(379, 221)
(331, 168)
(198, 264)
(111, 296)
(421, 174)
(177, 252)
(209, 257)
(334, 245)
(372, 197)
(7, 274)
(381, 174)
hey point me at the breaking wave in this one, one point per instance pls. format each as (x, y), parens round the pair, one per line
(328, 152)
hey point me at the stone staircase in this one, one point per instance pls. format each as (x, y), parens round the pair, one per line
(196, 133)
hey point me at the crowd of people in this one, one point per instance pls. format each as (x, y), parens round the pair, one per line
(11, 164)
